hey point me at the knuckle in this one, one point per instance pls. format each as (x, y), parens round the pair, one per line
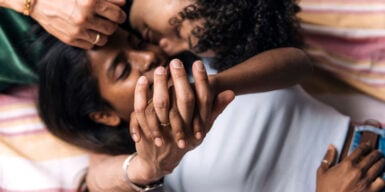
(155, 132)
(198, 124)
(87, 3)
(179, 134)
(179, 74)
(66, 39)
(150, 110)
(362, 185)
(140, 109)
(173, 113)
(80, 19)
(70, 41)
(110, 28)
(161, 104)
(104, 8)
(87, 46)
(75, 32)
(205, 100)
(363, 147)
(356, 172)
(347, 165)
(377, 154)
(189, 99)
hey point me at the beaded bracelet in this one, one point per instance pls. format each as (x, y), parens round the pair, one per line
(157, 186)
(27, 7)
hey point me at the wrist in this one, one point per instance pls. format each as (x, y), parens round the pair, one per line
(16, 5)
(139, 176)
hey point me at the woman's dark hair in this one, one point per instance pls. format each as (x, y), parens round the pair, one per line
(239, 29)
(68, 93)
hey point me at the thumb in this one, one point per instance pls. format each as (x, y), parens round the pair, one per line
(222, 100)
(328, 159)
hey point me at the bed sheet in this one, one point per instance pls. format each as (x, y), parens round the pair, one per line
(31, 159)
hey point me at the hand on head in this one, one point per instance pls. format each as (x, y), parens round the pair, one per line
(361, 171)
(80, 23)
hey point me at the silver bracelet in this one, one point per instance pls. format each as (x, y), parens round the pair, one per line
(154, 187)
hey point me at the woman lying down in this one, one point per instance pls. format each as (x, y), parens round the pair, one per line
(119, 102)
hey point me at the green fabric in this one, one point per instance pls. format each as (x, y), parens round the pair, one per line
(17, 56)
(19, 52)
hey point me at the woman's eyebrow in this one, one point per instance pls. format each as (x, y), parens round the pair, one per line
(113, 64)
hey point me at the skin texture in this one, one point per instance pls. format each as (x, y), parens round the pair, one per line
(358, 172)
(118, 80)
(172, 39)
(231, 32)
(75, 22)
(190, 109)
(144, 61)
(152, 161)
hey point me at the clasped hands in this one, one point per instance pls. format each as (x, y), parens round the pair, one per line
(175, 120)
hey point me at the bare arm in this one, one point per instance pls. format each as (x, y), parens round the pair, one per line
(273, 69)
(16, 5)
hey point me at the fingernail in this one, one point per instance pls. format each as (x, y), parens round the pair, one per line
(158, 141)
(181, 144)
(200, 66)
(160, 71)
(176, 64)
(135, 137)
(198, 135)
(142, 80)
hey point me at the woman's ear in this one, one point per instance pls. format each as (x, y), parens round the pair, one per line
(107, 117)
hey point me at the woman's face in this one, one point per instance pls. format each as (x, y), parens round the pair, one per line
(151, 19)
(119, 64)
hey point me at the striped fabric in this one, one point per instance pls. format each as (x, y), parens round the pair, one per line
(31, 159)
(347, 38)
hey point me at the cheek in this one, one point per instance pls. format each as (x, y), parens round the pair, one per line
(125, 107)
(122, 99)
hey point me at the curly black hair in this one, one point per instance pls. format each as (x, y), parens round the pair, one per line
(239, 29)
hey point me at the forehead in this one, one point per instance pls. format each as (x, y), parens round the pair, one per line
(119, 40)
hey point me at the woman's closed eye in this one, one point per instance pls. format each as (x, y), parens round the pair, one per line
(122, 67)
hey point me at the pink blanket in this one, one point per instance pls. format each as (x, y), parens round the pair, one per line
(31, 159)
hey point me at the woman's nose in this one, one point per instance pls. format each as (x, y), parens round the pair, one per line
(144, 60)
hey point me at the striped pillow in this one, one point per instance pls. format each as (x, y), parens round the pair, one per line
(347, 38)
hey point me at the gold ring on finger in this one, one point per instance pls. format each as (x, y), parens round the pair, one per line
(97, 39)
(165, 124)
(325, 162)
